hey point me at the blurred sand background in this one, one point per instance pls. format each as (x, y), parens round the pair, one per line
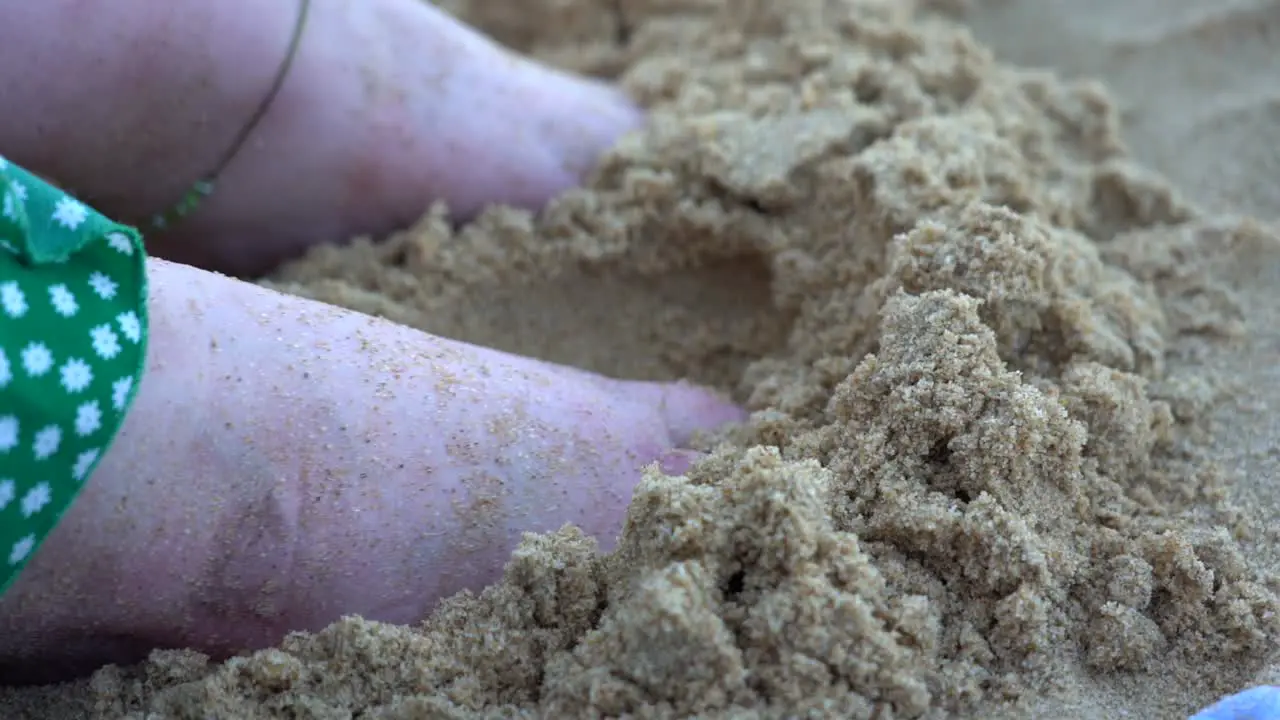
(1057, 502)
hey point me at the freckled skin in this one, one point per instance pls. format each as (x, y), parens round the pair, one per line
(287, 462)
(301, 462)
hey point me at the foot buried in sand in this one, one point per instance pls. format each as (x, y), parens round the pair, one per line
(285, 462)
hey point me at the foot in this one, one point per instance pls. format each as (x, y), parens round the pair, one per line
(287, 463)
(390, 105)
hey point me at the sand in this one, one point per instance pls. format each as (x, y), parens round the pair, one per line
(1008, 340)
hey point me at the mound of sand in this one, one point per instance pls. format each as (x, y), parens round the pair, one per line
(978, 339)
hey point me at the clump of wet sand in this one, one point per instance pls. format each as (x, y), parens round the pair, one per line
(974, 477)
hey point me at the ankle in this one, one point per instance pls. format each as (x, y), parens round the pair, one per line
(137, 105)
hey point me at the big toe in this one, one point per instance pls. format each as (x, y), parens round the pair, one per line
(684, 408)
(507, 129)
(583, 119)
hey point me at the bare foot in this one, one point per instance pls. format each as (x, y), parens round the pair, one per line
(390, 105)
(287, 462)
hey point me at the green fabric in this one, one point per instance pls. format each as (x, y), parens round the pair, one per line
(73, 336)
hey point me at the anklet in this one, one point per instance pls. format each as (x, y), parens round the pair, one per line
(204, 188)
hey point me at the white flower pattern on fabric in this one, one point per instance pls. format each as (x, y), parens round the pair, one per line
(120, 392)
(68, 364)
(105, 342)
(84, 461)
(76, 375)
(70, 213)
(36, 359)
(130, 326)
(104, 286)
(35, 499)
(64, 303)
(22, 549)
(13, 300)
(8, 433)
(120, 243)
(88, 418)
(47, 441)
(10, 208)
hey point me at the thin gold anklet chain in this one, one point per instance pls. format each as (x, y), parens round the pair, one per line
(205, 186)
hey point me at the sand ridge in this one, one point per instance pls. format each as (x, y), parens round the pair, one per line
(988, 354)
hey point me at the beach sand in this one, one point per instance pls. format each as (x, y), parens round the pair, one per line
(1009, 336)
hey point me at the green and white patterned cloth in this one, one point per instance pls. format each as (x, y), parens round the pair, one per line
(73, 340)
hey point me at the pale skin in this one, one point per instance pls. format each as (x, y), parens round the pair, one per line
(288, 462)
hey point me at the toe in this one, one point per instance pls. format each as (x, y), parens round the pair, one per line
(678, 462)
(585, 119)
(686, 409)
